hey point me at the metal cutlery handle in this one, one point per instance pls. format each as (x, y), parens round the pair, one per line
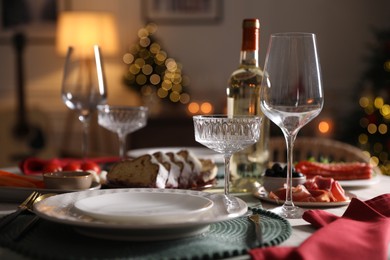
(8, 218)
(26, 227)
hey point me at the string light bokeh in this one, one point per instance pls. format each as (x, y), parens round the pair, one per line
(152, 72)
(374, 126)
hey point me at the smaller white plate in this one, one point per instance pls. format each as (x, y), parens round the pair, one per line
(144, 207)
(263, 195)
(199, 152)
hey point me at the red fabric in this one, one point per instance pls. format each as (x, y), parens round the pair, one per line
(31, 166)
(363, 232)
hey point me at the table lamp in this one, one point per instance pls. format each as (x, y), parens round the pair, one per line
(85, 29)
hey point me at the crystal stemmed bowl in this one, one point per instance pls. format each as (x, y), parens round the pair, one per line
(227, 135)
(122, 120)
(291, 95)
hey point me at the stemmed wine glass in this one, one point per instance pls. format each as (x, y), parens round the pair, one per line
(122, 120)
(227, 135)
(291, 94)
(83, 85)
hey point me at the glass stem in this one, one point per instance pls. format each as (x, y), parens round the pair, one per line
(227, 174)
(122, 145)
(85, 145)
(290, 145)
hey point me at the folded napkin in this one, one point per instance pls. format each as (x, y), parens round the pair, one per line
(363, 232)
(35, 165)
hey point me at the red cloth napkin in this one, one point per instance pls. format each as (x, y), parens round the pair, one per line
(32, 165)
(363, 232)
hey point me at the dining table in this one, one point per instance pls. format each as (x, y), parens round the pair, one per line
(300, 229)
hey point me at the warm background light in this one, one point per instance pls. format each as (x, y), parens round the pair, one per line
(324, 127)
(206, 108)
(85, 29)
(193, 107)
(200, 108)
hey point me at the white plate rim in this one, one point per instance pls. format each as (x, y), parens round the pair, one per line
(360, 182)
(200, 152)
(60, 209)
(264, 196)
(195, 205)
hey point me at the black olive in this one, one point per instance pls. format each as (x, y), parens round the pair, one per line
(269, 173)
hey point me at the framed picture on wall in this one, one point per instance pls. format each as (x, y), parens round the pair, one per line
(178, 12)
(36, 19)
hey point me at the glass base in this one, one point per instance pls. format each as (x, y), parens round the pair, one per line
(230, 202)
(291, 212)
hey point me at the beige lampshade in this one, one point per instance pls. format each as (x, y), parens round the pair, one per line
(85, 29)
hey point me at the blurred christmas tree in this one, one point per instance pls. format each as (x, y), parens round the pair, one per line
(154, 75)
(369, 127)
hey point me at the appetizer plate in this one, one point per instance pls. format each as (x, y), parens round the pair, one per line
(263, 195)
(63, 209)
(144, 207)
(202, 153)
(18, 194)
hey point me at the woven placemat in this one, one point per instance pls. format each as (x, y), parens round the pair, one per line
(48, 240)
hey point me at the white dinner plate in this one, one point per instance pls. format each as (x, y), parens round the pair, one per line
(61, 209)
(263, 195)
(144, 207)
(199, 152)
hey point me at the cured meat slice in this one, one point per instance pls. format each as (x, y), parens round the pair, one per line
(337, 171)
(318, 189)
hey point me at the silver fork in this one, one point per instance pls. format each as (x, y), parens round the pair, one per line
(21, 208)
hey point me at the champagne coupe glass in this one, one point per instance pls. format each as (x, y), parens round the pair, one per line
(83, 85)
(227, 135)
(291, 95)
(122, 120)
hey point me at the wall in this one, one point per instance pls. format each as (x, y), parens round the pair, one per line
(208, 53)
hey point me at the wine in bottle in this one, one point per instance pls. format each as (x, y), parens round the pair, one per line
(243, 98)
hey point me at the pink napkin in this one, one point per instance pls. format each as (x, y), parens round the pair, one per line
(363, 232)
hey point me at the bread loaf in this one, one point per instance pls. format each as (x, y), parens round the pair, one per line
(172, 168)
(144, 171)
(163, 170)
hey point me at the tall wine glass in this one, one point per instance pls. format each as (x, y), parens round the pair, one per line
(291, 94)
(122, 120)
(227, 135)
(83, 85)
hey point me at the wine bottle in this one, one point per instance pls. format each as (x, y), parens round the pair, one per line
(243, 98)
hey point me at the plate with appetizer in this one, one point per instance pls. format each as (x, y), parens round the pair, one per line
(317, 191)
(182, 169)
